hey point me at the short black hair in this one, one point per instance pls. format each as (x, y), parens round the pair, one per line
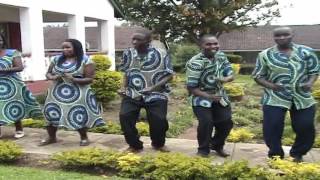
(77, 50)
(146, 32)
(205, 36)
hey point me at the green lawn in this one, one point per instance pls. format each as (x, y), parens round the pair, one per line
(22, 173)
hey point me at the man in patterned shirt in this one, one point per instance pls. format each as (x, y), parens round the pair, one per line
(206, 73)
(147, 71)
(287, 72)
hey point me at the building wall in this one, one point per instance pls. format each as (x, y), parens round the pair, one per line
(92, 8)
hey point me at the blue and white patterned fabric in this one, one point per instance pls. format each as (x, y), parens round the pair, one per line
(16, 101)
(143, 72)
(71, 105)
(291, 72)
(203, 72)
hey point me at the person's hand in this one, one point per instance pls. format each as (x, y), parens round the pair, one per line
(121, 92)
(224, 79)
(306, 86)
(53, 77)
(68, 77)
(277, 87)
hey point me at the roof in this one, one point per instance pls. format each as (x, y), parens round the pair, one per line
(250, 39)
(259, 38)
(54, 36)
(118, 12)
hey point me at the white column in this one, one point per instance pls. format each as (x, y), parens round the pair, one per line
(31, 27)
(76, 28)
(106, 42)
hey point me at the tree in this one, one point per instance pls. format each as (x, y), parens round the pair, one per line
(177, 19)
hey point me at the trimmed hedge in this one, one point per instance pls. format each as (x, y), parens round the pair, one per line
(9, 151)
(180, 166)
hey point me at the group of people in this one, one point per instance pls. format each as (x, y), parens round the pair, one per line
(70, 102)
(287, 71)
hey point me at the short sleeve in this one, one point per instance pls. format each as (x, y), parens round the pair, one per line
(193, 73)
(125, 61)
(227, 68)
(167, 64)
(54, 59)
(87, 60)
(260, 70)
(16, 54)
(313, 65)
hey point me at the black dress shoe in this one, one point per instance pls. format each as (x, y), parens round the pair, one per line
(220, 152)
(297, 158)
(203, 154)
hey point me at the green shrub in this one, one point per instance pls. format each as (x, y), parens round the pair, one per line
(235, 68)
(182, 54)
(240, 135)
(143, 128)
(240, 170)
(296, 171)
(87, 157)
(110, 128)
(9, 151)
(158, 166)
(317, 142)
(177, 166)
(102, 62)
(32, 123)
(106, 84)
(234, 89)
(233, 58)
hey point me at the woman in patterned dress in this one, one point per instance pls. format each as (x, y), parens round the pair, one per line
(16, 101)
(70, 102)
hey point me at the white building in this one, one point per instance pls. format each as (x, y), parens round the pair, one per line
(22, 22)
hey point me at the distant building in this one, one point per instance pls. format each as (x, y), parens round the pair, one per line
(22, 21)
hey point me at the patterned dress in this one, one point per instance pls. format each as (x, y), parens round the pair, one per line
(16, 101)
(71, 105)
(203, 72)
(289, 71)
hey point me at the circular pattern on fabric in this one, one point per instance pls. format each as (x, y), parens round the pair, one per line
(126, 60)
(66, 93)
(98, 122)
(35, 113)
(92, 103)
(78, 116)
(14, 110)
(208, 78)
(153, 61)
(52, 112)
(137, 80)
(28, 97)
(7, 89)
(157, 77)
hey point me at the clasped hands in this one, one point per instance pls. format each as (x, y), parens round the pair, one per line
(57, 77)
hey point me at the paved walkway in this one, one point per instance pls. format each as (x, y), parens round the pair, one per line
(69, 140)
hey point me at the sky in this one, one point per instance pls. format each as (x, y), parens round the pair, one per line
(298, 12)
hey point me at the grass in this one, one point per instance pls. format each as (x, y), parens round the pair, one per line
(18, 173)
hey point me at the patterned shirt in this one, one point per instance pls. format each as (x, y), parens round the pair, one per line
(203, 72)
(291, 72)
(143, 72)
